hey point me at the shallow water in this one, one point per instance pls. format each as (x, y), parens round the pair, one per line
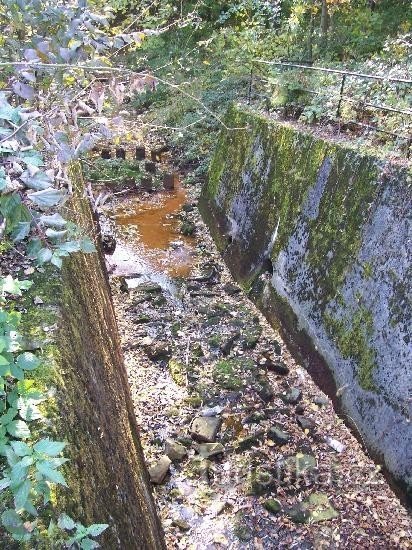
(150, 227)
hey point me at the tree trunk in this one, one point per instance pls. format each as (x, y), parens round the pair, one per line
(324, 23)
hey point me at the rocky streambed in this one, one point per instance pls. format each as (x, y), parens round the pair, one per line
(243, 449)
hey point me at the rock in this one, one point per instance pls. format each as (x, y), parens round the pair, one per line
(227, 345)
(276, 347)
(188, 207)
(254, 418)
(140, 153)
(141, 319)
(187, 228)
(199, 467)
(158, 351)
(321, 401)
(272, 505)
(174, 450)
(278, 436)
(206, 450)
(150, 167)
(335, 444)
(262, 481)
(300, 463)
(265, 392)
(181, 523)
(212, 411)
(170, 181)
(292, 396)
(151, 288)
(231, 289)
(250, 441)
(205, 428)
(278, 367)
(299, 409)
(159, 471)
(305, 423)
(316, 508)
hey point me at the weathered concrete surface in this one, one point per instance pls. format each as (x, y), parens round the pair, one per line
(322, 236)
(92, 410)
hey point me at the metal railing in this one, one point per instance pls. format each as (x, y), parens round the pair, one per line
(341, 97)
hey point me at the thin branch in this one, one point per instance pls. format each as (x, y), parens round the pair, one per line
(122, 70)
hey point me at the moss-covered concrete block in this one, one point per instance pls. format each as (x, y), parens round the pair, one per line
(321, 235)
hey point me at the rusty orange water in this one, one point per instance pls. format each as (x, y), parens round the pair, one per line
(156, 223)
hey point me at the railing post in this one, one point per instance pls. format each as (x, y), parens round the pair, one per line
(342, 85)
(249, 95)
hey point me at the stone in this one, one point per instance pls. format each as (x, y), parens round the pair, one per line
(174, 450)
(292, 396)
(181, 523)
(150, 167)
(207, 450)
(250, 441)
(170, 181)
(254, 418)
(278, 367)
(231, 289)
(199, 467)
(159, 471)
(120, 153)
(106, 154)
(278, 436)
(140, 153)
(272, 505)
(187, 228)
(312, 510)
(228, 343)
(321, 401)
(204, 428)
(265, 392)
(141, 319)
(158, 351)
(305, 423)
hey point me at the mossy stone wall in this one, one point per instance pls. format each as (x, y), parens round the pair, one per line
(91, 407)
(321, 234)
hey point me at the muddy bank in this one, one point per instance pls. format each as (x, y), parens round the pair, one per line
(322, 234)
(91, 407)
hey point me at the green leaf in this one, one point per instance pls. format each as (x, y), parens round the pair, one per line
(87, 246)
(13, 522)
(6, 418)
(29, 507)
(3, 343)
(22, 494)
(44, 255)
(47, 197)
(55, 221)
(48, 447)
(16, 372)
(3, 361)
(97, 529)
(20, 448)
(18, 429)
(28, 410)
(39, 181)
(66, 522)
(46, 469)
(21, 231)
(89, 544)
(70, 246)
(4, 483)
(28, 361)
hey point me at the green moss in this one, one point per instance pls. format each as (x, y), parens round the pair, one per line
(352, 337)
(177, 372)
(233, 374)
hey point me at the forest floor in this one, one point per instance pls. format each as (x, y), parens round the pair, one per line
(243, 449)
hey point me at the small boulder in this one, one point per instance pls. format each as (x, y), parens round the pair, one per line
(206, 450)
(272, 505)
(250, 441)
(278, 436)
(159, 471)
(158, 351)
(305, 423)
(174, 450)
(205, 428)
(292, 396)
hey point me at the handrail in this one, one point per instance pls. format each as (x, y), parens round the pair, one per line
(335, 71)
(341, 96)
